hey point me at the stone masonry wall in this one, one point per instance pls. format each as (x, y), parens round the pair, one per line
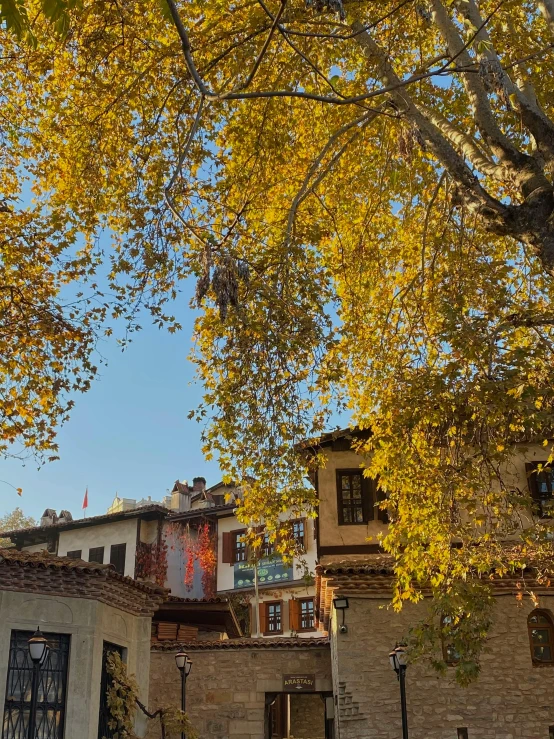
(512, 699)
(226, 688)
(307, 716)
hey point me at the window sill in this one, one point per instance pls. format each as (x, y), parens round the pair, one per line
(543, 664)
(273, 633)
(306, 631)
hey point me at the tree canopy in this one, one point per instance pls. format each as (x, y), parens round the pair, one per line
(363, 192)
(13, 521)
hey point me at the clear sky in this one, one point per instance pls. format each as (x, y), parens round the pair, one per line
(130, 433)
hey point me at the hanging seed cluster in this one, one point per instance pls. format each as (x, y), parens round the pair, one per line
(494, 80)
(330, 6)
(224, 281)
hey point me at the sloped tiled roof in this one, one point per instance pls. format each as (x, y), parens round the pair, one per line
(273, 643)
(39, 531)
(47, 574)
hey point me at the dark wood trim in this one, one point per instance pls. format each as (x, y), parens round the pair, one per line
(234, 549)
(550, 626)
(367, 484)
(137, 548)
(300, 601)
(352, 549)
(265, 605)
(317, 524)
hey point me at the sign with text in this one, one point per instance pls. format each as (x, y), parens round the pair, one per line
(271, 570)
(295, 683)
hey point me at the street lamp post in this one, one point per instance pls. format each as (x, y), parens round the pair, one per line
(184, 663)
(399, 661)
(38, 651)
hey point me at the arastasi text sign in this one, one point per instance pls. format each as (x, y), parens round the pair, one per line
(296, 683)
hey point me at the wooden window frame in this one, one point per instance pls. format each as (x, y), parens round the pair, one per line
(74, 554)
(265, 605)
(97, 551)
(118, 548)
(300, 541)
(550, 626)
(236, 550)
(368, 513)
(268, 547)
(307, 628)
(531, 469)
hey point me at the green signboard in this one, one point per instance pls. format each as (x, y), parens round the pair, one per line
(270, 570)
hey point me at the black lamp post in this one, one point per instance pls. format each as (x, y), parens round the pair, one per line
(184, 663)
(38, 651)
(399, 661)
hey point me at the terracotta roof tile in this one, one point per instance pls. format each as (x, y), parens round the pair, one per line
(77, 523)
(176, 599)
(41, 572)
(274, 643)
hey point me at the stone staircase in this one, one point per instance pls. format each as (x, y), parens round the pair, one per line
(349, 709)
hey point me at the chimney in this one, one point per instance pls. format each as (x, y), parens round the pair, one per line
(180, 497)
(65, 517)
(49, 517)
(198, 484)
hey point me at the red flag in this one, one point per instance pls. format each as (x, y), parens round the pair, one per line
(85, 499)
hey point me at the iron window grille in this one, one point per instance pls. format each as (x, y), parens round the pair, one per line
(51, 693)
(74, 554)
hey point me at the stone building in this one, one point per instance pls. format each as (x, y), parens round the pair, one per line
(85, 610)
(513, 696)
(238, 689)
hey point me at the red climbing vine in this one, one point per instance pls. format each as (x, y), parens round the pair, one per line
(206, 554)
(151, 561)
(197, 544)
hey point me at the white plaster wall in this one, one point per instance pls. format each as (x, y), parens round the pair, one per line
(89, 623)
(225, 572)
(287, 594)
(103, 535)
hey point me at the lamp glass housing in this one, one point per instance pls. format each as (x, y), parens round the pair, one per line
(340, 603)
(38, 647)
(183, 662)
(401, 656)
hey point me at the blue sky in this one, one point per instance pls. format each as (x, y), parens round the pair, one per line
(130, 433)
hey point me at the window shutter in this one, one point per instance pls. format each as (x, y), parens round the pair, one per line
(117, 557)
(263, 618)
(283, 615)
(294, 614)
(227, 553)
(75, 554)
(96, 554)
